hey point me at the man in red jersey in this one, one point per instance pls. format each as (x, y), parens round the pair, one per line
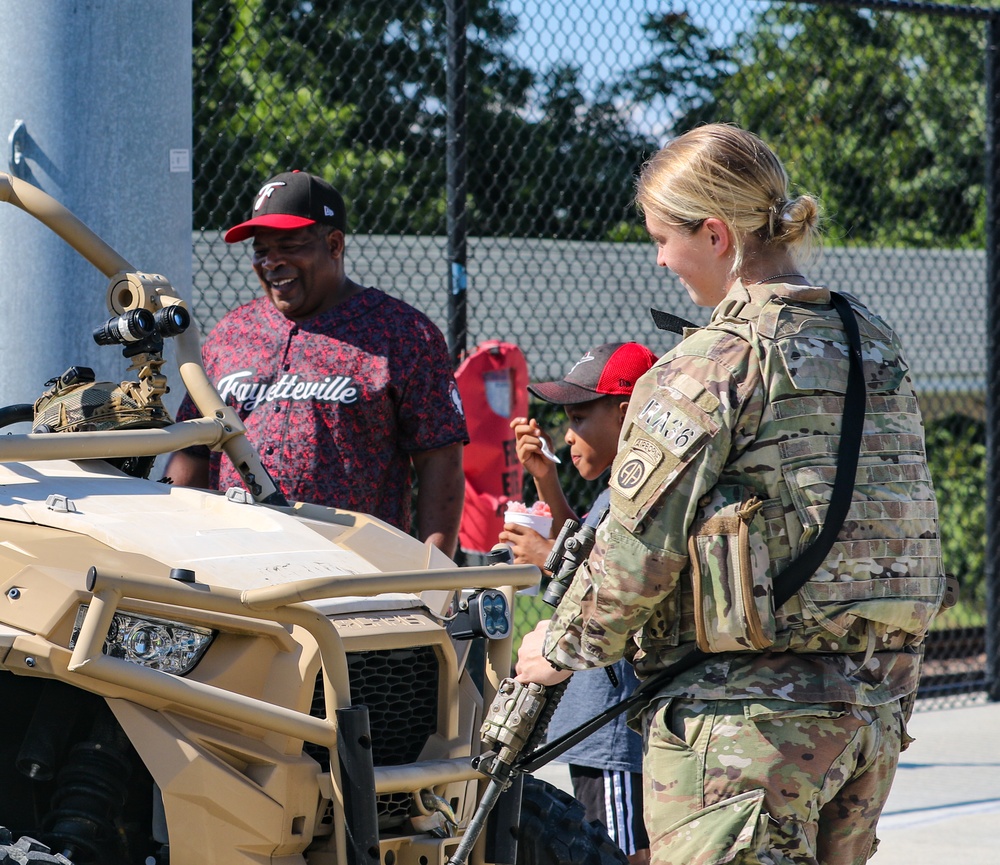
(344, 390)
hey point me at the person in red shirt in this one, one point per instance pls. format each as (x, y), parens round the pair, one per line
(345, 391)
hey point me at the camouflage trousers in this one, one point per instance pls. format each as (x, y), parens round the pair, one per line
(768, 782)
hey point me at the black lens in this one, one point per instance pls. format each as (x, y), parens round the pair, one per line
(172, 320)
(129, 327)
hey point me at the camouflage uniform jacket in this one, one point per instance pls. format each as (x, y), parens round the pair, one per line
(724, 472)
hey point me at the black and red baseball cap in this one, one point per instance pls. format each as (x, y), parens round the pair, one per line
(610, 369)
(292, 200)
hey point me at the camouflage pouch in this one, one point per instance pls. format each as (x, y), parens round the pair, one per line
(730, 574)
(77, 403)
(74, 402)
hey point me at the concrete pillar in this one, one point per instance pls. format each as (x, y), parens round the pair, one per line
(103, 93)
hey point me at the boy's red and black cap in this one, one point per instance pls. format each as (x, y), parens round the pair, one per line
(609, 369)
(293, 199)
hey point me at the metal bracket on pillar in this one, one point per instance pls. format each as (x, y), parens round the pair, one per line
(17, 139)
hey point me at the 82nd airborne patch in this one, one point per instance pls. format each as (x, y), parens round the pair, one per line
(635, 467)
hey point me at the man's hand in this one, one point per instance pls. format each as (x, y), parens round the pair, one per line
(532, 665)
(528, 547)
(187, 470)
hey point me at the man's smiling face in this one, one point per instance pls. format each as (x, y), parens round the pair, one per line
(302, 270)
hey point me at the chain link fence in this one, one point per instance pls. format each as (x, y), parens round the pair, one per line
(487, 151)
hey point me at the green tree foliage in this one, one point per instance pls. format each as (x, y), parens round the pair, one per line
(566, 174)
(879, 114)
(956, 451)
(356, 90)
(348, 89)
(683, 70)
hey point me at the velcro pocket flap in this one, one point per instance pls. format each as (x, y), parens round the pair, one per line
(730, 574)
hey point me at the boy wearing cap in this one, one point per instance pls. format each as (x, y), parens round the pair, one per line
(606, 768)
(344, 390)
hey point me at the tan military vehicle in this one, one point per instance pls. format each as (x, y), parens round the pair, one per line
(190, 677)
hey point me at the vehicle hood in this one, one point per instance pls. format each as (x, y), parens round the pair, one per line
(226, 543)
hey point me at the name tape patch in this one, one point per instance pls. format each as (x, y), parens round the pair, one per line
(670, 425)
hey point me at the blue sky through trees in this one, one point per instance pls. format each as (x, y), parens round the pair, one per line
(605, 38)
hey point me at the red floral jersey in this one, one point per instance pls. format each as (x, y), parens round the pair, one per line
(336, 404)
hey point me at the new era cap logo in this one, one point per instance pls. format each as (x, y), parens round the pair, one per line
(327, 211)
(265, 192)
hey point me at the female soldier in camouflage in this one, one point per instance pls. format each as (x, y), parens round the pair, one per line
(780, 748)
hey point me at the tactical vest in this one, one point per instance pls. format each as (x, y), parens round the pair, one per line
(882, 582)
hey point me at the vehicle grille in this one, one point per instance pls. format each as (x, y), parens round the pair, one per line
(400, 689)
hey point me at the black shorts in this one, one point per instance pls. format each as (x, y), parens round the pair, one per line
(614, 799)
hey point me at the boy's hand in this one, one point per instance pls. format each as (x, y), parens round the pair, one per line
(528, 443)
(529, 547)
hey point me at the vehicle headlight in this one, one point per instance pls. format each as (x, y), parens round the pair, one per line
(150, 642)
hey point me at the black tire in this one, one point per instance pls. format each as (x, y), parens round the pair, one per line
(27, 850)
(553, 831)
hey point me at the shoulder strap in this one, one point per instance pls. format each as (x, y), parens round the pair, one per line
(793, 577)
(668, 321)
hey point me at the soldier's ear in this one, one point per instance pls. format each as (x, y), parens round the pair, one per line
(719, 235)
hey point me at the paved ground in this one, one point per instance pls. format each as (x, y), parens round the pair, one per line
(944, 808)
(945, 803)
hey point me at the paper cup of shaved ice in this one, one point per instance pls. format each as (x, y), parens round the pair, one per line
(537, 516)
